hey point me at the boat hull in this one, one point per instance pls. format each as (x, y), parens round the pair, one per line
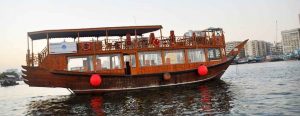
(79, 83)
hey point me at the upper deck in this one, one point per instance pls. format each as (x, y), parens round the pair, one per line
(131, 37)
(93, 32)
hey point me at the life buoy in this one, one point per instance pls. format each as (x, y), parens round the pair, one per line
(156, 42)
(86, 46)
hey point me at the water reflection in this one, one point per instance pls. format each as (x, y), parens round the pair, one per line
(209, 98)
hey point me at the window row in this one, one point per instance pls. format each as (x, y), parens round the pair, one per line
(152, 58)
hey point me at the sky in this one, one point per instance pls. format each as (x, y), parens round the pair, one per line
(240, 19)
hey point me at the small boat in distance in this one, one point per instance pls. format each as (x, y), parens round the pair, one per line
(122, 58)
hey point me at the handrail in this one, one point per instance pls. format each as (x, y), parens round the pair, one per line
(42, 55)
(145, 42)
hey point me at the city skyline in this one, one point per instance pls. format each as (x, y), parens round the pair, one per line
(240, 19)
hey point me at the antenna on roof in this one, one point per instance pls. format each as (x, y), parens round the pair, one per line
(134, 20)
(276, 33)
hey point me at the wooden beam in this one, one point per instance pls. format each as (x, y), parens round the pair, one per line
(48, 43)
(186, 58)
(163, 57)
(106, 37)
(160, 34)
(137, 63)
(78, 37)
(28, 52)
(94, 55)
(122, 61)
(135, 34)
(135, 40)
(206, 54)
(28, 42)
(32, 55)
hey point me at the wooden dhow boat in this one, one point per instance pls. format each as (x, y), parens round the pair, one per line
(97, 60)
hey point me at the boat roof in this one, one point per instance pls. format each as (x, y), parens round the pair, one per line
(93, 32)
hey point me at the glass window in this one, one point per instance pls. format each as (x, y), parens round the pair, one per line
(131, 59)
(81, 64)
(150, 58)
(196, 55)
(214, 53)
(174, 57)
(108, 62)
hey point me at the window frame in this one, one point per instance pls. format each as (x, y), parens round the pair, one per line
(90, 68)
(196, 50)
(111, 67)
(216, 57)
(174, 51)
(142, 61)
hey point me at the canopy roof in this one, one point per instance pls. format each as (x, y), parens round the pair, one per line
(93, 32)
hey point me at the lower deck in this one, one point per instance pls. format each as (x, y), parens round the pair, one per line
(139, 62)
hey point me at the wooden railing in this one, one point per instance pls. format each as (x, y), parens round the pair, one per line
(178, 41)
(36, 59)
(43, 54)
(32, 60)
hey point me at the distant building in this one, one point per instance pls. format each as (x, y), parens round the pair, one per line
(231, 45)
(276, 49)
(269, 46)
(256, 48)
(290, 40)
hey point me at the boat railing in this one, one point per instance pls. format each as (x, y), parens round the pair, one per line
(145, 42)
(33, 60)
(36, 59)
(43, 54)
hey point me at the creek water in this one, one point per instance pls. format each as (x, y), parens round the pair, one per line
(269, 88)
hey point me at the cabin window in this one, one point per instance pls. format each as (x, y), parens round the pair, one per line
(81, 64)
(111, 61)
(174, 57)
(196, 55)
(214, 53)
(131, 59)
(150, 58)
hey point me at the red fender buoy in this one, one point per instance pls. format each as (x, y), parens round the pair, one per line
(167, 76)
(202, 70)
(95, 80)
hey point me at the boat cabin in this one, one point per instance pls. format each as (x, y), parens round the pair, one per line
(126, 50)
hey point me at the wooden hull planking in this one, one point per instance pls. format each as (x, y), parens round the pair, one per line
(79, 82)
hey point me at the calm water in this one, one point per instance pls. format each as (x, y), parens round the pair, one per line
(247, 89)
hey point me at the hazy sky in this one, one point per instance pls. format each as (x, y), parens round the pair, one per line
(240, 19)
